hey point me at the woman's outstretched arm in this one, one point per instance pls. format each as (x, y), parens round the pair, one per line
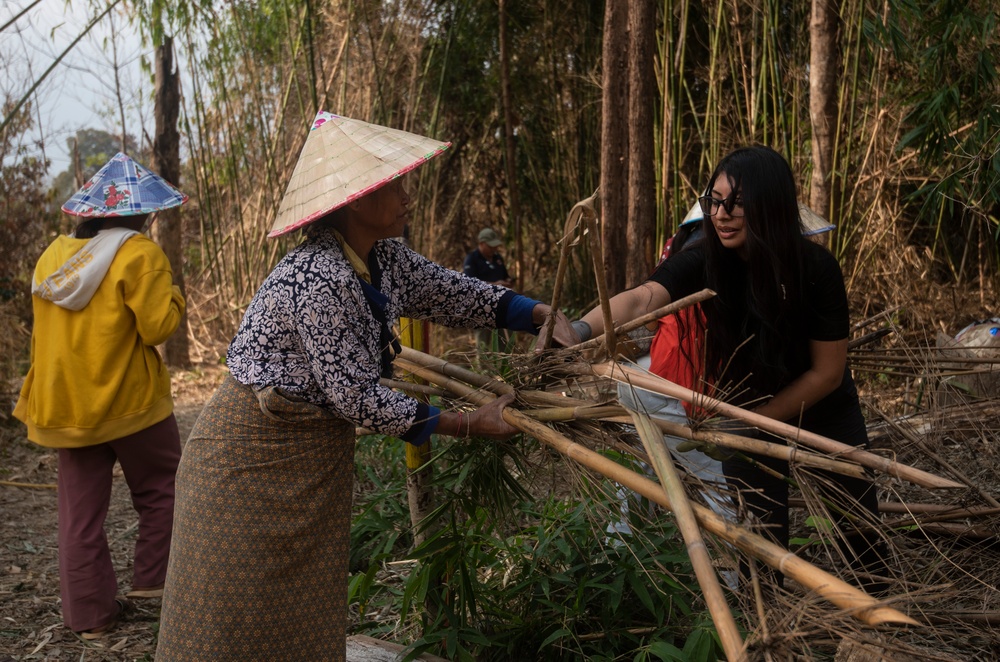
(628, 305)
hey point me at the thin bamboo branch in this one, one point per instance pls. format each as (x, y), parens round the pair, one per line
(33, 486)
(580, 209)
(410, 387)
(704, 572)
(657, 384)
(937, 458)
(45, 74)
(610, 339)
(663, 311)
(789, 454)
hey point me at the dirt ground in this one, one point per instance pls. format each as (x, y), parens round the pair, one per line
(31, 625)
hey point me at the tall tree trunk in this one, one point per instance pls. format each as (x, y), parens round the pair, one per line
(641, 181)
(614, 143)
(167, 163)
(824, 63)
(514, 217)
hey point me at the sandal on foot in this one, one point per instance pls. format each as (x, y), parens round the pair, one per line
(94, 634)
(144, 592)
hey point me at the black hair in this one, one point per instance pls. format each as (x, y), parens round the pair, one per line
(89, 228)
(324, 222)
(759, 294)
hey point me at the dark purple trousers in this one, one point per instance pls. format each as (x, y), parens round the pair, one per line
(87, 578)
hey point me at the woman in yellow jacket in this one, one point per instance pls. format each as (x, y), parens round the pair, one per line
(97, 389)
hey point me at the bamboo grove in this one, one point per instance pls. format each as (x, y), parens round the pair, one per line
(916, 156)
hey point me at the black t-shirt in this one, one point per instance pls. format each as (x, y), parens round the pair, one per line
(826, 319)
(491, 270)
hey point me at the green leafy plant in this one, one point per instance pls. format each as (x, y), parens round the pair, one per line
(502, 575)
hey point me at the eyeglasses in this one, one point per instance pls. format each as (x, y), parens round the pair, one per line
(710, 206)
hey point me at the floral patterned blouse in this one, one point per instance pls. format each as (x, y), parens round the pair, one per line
(310, 331)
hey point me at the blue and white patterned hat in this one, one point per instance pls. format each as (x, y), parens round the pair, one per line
(123, 188)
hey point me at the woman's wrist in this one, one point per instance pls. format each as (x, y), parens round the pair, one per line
(582, 329)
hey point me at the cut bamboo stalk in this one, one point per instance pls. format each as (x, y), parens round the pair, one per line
(789, 454)
(585, 413)
(454, 370)
(663, 311)
(657, 384)
(489, 383)
(853, 600)
(704, 572)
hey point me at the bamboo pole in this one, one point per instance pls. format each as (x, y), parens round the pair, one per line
(410, 387)
(564, 408)
(659, 454)
(585, 413)
(663, 311)
(657, 384)
(541, 398)
(853, 600)
(789, 454)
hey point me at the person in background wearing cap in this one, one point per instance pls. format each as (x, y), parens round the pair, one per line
(779, 326)
(485, 262)
(98, 391)
(259, 564)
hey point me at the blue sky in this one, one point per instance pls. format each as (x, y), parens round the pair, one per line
(80, 91)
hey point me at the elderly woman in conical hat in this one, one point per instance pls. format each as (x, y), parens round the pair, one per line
(97, 389)
(259, 563)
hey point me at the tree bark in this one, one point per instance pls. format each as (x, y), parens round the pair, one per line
(641, 180)
(614, 143)
(168, 228)
(824, 63)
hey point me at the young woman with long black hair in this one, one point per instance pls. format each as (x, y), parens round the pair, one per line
(776, 338)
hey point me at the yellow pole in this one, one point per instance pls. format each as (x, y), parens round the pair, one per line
(414, 334)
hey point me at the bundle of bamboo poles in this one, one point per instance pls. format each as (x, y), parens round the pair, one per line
(479, 389)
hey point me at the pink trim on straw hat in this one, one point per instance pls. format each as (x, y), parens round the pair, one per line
(343, 160)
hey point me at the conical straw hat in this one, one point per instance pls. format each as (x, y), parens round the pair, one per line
(813, 223)
(123, 188)
(343, 160)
